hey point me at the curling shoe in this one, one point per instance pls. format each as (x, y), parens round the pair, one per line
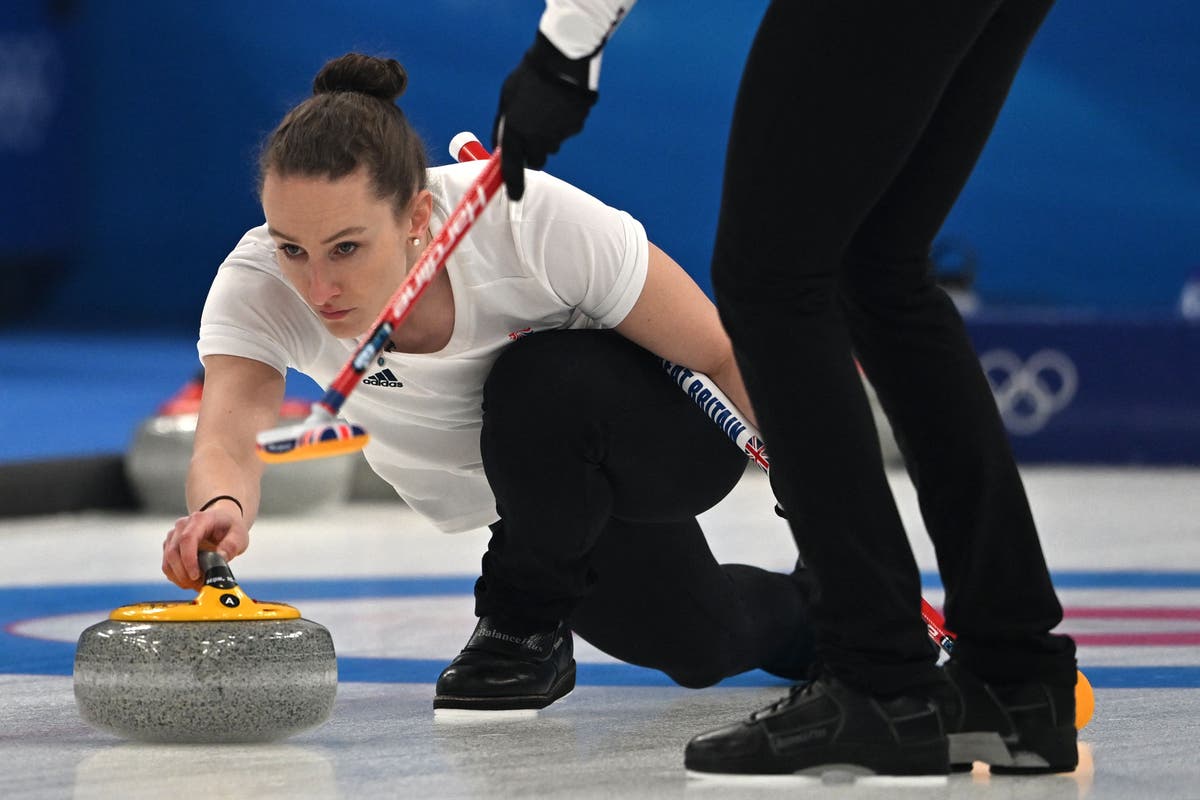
(506, 667)
(1023, 728)
(826, 726)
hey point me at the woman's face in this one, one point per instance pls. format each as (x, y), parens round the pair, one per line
(342, 248)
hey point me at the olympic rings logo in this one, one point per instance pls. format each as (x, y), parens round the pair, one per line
(1029, 393)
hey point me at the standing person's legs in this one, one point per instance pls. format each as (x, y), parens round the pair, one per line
(875, 78)
(914, 348)
(834, 98)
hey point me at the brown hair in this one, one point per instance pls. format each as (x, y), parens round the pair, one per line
(351, 121)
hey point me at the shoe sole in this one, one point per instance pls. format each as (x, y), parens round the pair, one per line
(831, 764)
(827, 774)
(530, 702)
(1005, 759)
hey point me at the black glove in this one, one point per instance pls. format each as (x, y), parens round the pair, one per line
(542, 102)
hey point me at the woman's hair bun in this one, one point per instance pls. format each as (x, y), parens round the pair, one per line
(384, 78)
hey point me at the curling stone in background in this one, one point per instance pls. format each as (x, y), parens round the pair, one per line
(366, 485)
(157, 462)
(220, 668)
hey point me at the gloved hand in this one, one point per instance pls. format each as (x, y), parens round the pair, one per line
(542, 102)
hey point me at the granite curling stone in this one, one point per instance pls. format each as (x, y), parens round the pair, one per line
(220, 668)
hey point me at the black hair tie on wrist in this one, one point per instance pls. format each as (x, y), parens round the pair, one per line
(219, 497)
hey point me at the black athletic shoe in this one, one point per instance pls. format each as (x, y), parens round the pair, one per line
(826, 726)
(505, 668)
(1024, 728)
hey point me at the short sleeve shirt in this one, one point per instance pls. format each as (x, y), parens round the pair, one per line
(559, 259)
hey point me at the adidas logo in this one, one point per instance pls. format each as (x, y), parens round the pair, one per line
(385, 377)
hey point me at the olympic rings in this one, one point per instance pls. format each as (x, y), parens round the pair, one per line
(1029, 393)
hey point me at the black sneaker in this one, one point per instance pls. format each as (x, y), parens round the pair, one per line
(1024, 728)
(826, 726)
(505, 668)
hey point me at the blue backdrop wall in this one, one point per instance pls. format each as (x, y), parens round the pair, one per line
(128, 132)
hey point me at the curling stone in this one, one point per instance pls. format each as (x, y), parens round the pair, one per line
(367, 486)
(157, 462)
(220, 668)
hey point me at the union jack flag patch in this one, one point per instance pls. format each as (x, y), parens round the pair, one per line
(337, 431)
(756, 448)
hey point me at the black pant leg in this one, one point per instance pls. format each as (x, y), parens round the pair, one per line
(662, 601)
(834, 100)
(580, 427)
(913, 346)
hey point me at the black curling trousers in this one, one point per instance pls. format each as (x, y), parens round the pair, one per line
(856, 126)
(600, 464)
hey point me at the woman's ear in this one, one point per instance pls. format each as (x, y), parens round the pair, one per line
(421, 212)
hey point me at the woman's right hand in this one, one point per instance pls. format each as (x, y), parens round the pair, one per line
(220, 528)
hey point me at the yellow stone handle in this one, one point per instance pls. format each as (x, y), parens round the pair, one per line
(220, 599)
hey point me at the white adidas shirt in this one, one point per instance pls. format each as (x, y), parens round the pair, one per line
(558, 259)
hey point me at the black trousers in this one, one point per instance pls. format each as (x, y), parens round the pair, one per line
(856, 126)
(600, 464)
